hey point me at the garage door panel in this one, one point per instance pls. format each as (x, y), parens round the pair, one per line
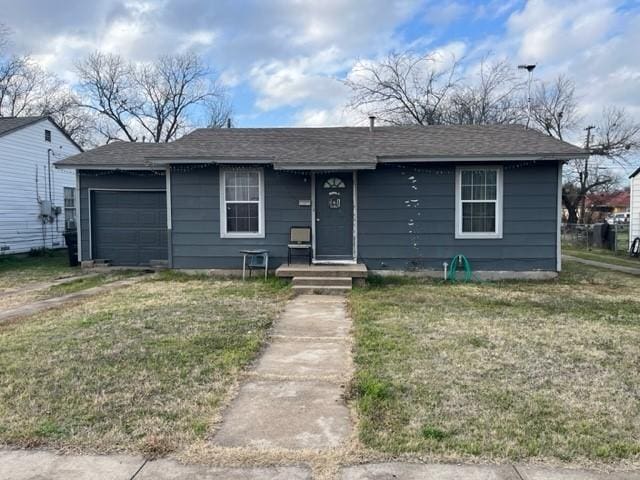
(129, 228)
(151, 238)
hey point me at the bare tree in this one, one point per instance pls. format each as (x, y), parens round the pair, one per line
(494, 97)
(219, 113)
(161, 99)
(555, 107)
(616, 135)
(26, 89)
(404, 88)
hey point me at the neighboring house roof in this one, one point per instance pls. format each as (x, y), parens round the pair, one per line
(12, 124)
(615, 199)
(340, 146)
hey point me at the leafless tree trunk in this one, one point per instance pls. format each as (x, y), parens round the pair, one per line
(159, 100)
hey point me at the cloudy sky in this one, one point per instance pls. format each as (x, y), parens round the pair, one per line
(283, 60)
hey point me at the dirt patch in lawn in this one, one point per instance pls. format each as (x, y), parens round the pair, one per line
(13, 300)
(511, 371)
(141, 369)
(19, 270)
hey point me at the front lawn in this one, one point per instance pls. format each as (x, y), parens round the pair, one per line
(501, 371)
(20, 270)
(143, 369)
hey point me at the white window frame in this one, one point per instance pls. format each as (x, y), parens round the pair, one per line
(223, 206)
(498, 201)
(66, 209)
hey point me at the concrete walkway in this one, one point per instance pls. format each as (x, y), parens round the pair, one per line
(610, 266)
(294, 398)
(46, 304)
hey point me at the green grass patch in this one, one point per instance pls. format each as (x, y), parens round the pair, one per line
(605, 256)
(140, 369)
(506, 371)
(22, 269)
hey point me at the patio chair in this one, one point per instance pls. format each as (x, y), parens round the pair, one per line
(300, 240)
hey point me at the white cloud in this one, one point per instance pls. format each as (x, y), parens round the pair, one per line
(291, 83)
(440, 14)
(555, 31)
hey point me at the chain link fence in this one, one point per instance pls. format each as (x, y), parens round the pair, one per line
(598, 236)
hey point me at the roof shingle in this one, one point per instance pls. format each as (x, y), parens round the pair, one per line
(342, 145)
(9, 124)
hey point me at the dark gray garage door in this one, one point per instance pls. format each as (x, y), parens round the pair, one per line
(129, 228)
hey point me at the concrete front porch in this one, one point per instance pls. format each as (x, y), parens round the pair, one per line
(323, 279)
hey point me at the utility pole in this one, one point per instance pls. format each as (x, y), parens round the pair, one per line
(584, 175)
(529, 68)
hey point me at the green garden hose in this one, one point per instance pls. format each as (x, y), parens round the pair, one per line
(459, 261)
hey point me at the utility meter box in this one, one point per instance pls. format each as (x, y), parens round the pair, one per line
(45, 208)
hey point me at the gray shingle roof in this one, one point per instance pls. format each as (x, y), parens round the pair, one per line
(116, 154)
(337, 146)
(10, 124)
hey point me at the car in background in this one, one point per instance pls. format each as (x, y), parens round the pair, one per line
(619, 218)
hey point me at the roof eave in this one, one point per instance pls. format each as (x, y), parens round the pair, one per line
(325, 166)
(222, 160)
(63, 166)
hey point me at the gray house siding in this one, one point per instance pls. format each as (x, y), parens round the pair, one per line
(195, 200)
(406, 219)
(91, 179)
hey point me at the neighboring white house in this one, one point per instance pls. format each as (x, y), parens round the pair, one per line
(634, 220)
(37, 200)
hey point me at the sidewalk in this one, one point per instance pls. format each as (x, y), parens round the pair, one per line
(610, 266)
(39, 465)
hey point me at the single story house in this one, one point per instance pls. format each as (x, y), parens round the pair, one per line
(404, 198)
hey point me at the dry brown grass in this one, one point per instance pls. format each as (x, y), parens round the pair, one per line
(517, 371)
(141, 369)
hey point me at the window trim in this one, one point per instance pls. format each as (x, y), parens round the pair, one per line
(498, 201)
(65, 208)
(223, 205)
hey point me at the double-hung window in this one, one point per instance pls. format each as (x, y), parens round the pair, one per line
(479, 202)
(69, 208)
(241, 203)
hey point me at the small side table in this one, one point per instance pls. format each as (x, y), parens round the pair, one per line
(257, 259)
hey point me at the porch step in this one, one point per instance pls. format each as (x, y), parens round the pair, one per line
(345, 271)
(321, 289)
(322, 281)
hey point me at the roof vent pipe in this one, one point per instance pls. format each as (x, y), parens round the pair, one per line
(372, 122)
(229, 122)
